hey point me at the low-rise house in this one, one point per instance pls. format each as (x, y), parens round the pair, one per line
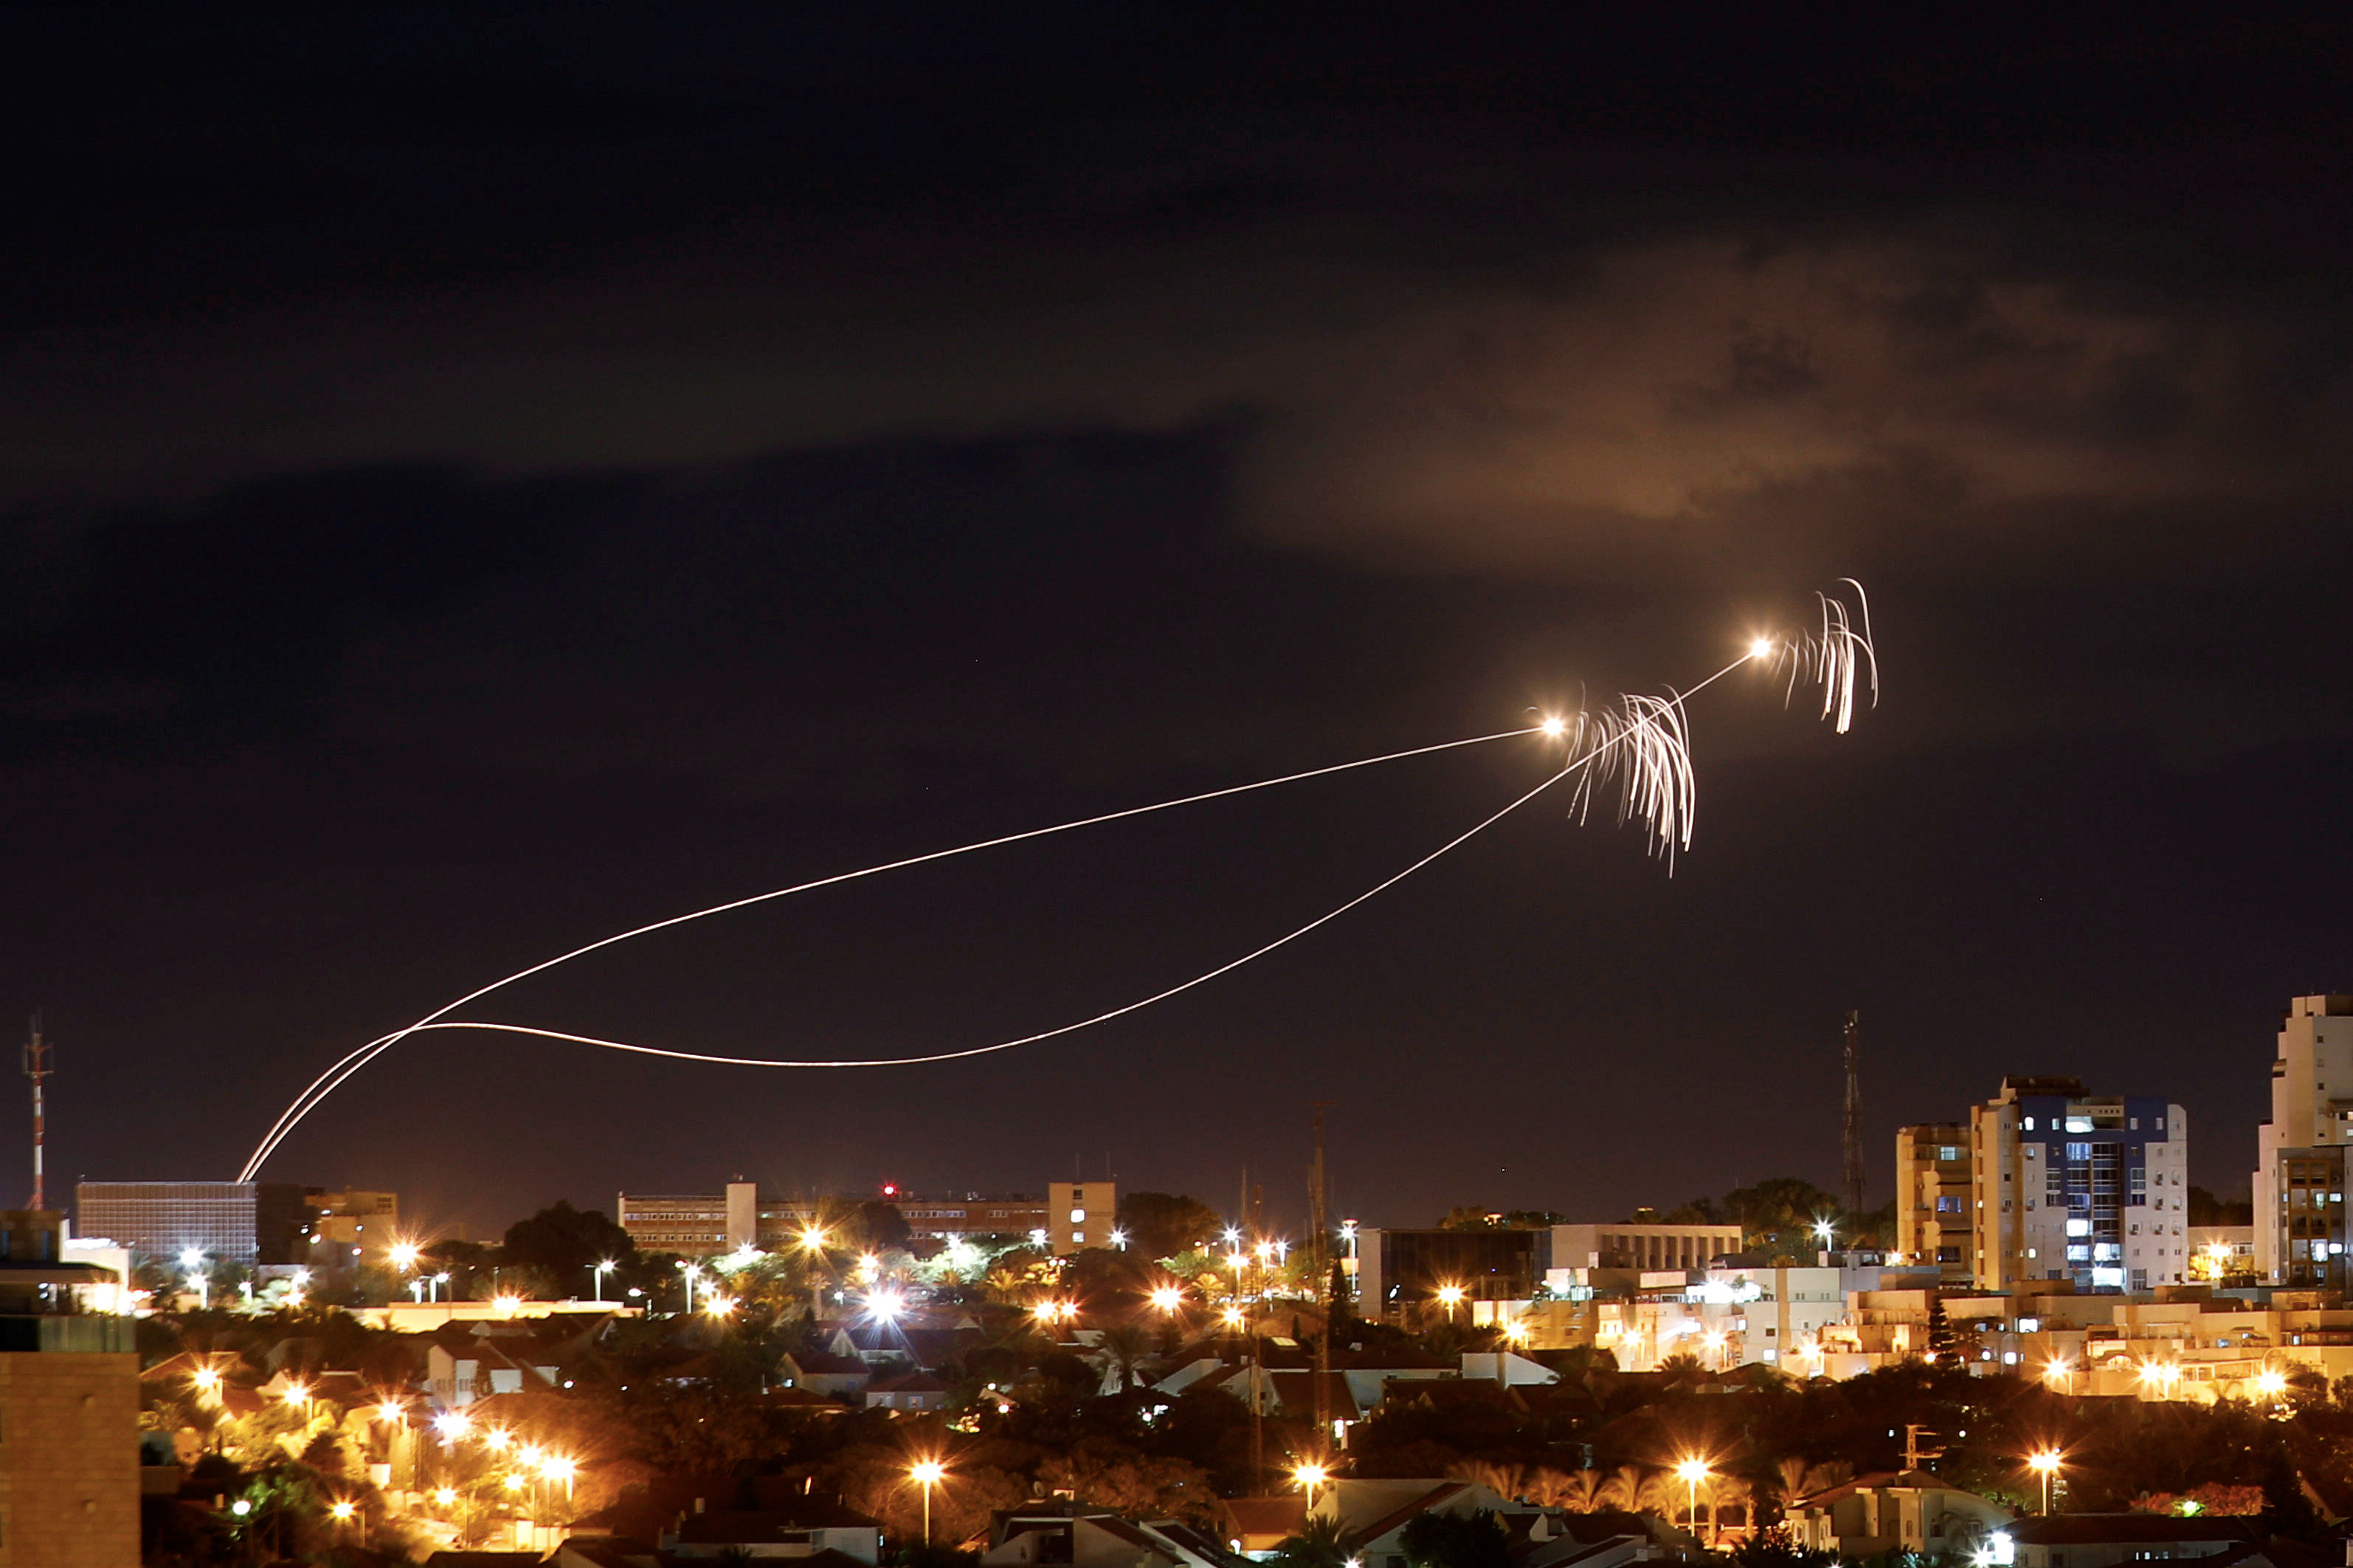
(2101, 1540)
(1606, 1539)
(908, 1391)
(824, 1534)
(1255, 1526)
(1906, 1511)
(458, 1374)
(823, 1372)
(1069, 1533)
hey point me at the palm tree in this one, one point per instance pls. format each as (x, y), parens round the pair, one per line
(1318, 1545)
(1125, 1348)
(1800, 1480)
(1580, 1492)
(1623, 1490)
(1504, 1480)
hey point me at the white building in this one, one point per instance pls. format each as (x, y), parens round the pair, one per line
(2316, 1051)
(2067, 1185)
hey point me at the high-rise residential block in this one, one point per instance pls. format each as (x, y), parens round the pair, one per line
(2298, 1187)
(2070, 1186)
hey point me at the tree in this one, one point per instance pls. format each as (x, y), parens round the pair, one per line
(1940, 1331)
(1455, 1541)
(564, 1243)
(1123, 1347)
(1167, 1225)
(878, 1226)
(1320, 1544)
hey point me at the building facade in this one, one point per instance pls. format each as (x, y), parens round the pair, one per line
(708, 1224)
(68, 1443)
(1401, 1273)
(342, 1229)
(1642, 1247)
(1934, 1188)
(2315, 1052)
(164, 1219)
(1074, 1216)
(2305, 1216)
(2069, 1185)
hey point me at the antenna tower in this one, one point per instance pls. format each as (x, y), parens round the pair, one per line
(39, 1065)
(1321, 1264)
(1853, 1121)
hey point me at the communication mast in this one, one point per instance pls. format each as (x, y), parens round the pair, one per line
(39, 1065)
(1853, 1121)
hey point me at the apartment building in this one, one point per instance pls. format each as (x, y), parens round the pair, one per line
(2300, 1150)
(2070, 1186)
(1935, 1178)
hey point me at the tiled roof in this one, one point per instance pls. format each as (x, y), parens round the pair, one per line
(1276, 1516)
(1398, 1518)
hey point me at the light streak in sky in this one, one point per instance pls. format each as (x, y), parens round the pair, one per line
(1643, 745)
(326, 1081)
(1841, 654)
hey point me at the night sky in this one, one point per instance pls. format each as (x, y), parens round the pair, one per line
(472, 483)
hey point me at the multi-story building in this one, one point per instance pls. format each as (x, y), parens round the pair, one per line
(1080, 1214)
(2066, 1185)
(68, 1408)
(1934, 1175)
(1400, 1273)
(2305, 1214)
(2309, 1119)
(1642, 1245)
(705, 1225)
(344, 1228)
(164, 1219)
(1072, 1215)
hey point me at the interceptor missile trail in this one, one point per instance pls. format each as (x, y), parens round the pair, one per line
(1644, 745)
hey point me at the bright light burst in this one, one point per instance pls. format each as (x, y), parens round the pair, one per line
(1642, 745)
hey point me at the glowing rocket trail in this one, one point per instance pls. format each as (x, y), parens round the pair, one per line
(326, 1081)
(1653, 802)
(1644, 745)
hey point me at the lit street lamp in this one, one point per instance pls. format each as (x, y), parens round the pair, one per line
(1692, 1471)
(1450, 1297)
(600, 1271)
(2044, 1462)
(1309, 1475)
(692, 1272)
(927, 1473)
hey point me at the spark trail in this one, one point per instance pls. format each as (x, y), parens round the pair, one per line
(1643, 745)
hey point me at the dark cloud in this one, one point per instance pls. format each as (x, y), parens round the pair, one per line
(471, 483)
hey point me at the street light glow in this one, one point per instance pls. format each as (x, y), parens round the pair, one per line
(1168, 1298)
(927, 1472)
